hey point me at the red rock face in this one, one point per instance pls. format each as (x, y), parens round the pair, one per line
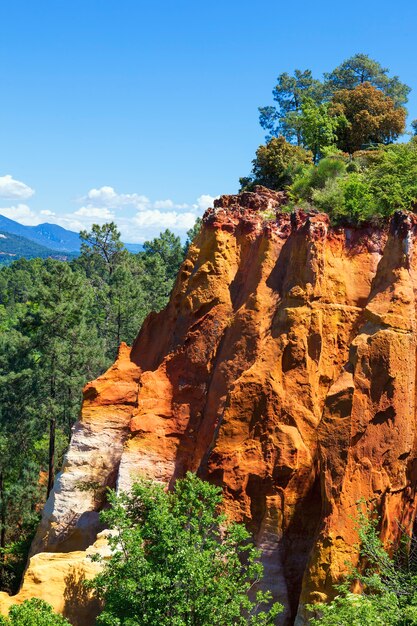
(283, 370)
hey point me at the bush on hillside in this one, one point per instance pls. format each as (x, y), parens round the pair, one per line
(276, 164)
(33, 612)
(388, 584)
(176, 560)
(371, 186)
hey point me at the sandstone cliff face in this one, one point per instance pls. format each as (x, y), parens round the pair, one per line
(284, 370)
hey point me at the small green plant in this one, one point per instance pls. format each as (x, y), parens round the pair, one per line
(389, 585)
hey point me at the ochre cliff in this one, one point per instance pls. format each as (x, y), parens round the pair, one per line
(284, 370)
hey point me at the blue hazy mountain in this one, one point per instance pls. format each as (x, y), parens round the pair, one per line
(14, 247)
(50, 236)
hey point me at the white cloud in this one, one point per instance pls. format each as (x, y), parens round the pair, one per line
(137, 217)
(95, 213)
(165, 219)
(163, 204)
(11, 188)
(21, 213)
(204, 202)
(106, 196)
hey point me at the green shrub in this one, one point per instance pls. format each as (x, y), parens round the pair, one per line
(276, 165)
(177, 561)
(389, 585)
(33, 612)
(316, 177)
(372, 185)
(393, 178)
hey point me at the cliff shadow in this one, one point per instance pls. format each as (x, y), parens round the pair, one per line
(80, 606)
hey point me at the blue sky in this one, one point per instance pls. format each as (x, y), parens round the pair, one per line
(143, 111)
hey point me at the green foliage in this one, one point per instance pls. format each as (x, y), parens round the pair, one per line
(289, 93)
(370, 116)
(286, 116)
(389, 585)
(102, 246)
(319, 128)
(33, 613)
(361, 69)
(393, 178)
(168, 247)
(276, 164)
(316, 177)
(176, 561)
(369, 186)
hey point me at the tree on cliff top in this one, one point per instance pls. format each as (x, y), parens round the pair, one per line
(176, 561)
(285, 117)
(371, 116)
(361, 69)
(276, 164)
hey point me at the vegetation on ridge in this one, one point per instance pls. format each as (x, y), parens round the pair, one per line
(330, 143)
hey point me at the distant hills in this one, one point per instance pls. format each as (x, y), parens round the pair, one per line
(48, 235)
(14, 247)
(43, 240)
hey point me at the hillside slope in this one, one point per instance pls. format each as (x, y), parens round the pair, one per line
(284, 370)
(51, 236)
(14, 247)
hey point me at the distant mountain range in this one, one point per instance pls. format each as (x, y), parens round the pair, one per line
(14, 247)
(44, 240)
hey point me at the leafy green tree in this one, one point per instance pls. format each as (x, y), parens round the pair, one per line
(371, 116)
(319, 128)
(276, 164)
(176, 561)
(414, 127)
(360, 69)
(289, 93)
(33, 612)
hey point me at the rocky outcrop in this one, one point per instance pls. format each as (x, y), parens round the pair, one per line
(283, 369)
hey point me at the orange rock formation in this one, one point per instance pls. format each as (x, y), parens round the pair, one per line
(284, 370)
